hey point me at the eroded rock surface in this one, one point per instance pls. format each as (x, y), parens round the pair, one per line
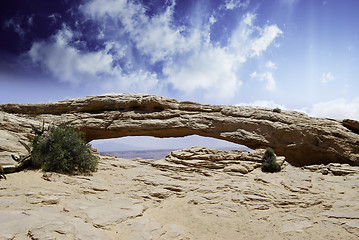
(184, 199)
(301, 139)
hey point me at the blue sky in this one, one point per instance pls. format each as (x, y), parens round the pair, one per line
(294, 54)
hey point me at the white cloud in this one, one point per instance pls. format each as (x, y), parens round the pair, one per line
(337, 109)
(327, 77)
(211, 68)
(214, 68)
(271, 65)
(190, 61)
(268, 34)
(69, 64)
(159, 40)
(266, 77)
(154, 36)
(66, 62)
(249, 19)
(241, 38)
(109, 7)
(134, 43)
(232, 4)
(16, 25)
(212, 20)
(54, 17)
(249, 40)
(142, 81)
(263, 103)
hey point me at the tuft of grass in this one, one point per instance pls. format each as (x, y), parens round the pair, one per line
(63, 150)
(269, 163)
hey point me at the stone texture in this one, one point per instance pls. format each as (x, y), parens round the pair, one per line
(183, 199)
(165, 199)
(334, 169)
(45, 224)
(301, 139)
(201, 158)
(296, 226)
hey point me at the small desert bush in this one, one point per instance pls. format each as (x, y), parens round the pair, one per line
(277, 110)
(64, 150)
(269, 163)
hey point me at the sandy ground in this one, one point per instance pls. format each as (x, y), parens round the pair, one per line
(131, 199)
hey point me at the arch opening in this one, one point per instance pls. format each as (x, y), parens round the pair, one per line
(156, 148)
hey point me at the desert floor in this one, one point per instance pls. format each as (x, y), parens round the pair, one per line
(140, 199)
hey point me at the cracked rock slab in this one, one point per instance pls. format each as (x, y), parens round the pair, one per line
(147, 199)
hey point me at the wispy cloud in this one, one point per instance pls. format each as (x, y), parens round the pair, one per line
(156, 36)
(143, 52)
(211, 68)
(66, 62)
(271, 65)
(15, 24)
(337, 109)
(266, 77)
(327, 77)
(232, 4)
(251, 40)
(263, 103)
(268, 34)
(70, 64)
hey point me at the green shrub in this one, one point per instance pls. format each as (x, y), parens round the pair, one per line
(277, 110)
(62, 149)
(269, 163)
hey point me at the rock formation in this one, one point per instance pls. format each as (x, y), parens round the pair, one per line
(196, 193)
(301, 139)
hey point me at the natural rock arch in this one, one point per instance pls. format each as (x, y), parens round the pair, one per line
(301, 139)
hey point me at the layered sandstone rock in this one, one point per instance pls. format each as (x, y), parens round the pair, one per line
(185, 199)
(301, 139)
(202, 159)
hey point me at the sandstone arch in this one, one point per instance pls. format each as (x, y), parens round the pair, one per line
(301, 139)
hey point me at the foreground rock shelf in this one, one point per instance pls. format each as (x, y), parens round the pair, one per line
(303, 140)
(187, 195)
